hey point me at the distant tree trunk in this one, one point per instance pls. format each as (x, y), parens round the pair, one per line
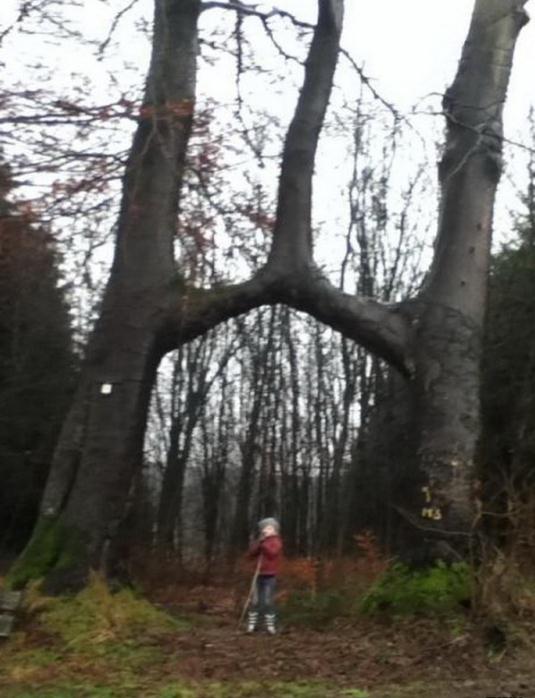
(214, 467)
(335, 522)
(184, 420)
(250, 447)
(290, 476)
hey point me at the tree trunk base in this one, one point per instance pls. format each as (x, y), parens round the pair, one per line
(56, 555)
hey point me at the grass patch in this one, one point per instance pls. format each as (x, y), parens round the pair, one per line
(316, 610)
(81, 691)
(435, 590)
(254, 689)
(96, 643)
(249, 689)
(96, 616)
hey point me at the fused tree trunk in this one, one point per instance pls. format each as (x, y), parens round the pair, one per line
(434, 340)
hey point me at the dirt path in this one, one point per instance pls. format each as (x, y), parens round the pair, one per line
(207, 656)
(409, 659)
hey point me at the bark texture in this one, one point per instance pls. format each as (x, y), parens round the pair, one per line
(101, 442)
(450, 311)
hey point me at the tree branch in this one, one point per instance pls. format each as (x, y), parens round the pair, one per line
(251, 11)
(292, 236)
(290, 275)
(380, 328)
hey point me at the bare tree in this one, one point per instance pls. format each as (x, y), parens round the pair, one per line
(148, 307)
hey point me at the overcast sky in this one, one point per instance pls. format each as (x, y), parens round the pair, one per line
(410, 48)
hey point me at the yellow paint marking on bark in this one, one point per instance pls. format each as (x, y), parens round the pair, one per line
(427, 494)
(433, 513)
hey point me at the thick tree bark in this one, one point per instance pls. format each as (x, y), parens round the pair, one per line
(449, 323)
(101, 443)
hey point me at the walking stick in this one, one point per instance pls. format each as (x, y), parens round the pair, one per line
(251, 591)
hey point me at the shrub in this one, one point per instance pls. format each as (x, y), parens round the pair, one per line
(437, 589)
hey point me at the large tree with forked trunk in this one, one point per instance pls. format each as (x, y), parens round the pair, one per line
(433, 340)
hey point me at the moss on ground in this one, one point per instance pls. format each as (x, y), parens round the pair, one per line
(100, 644)
(96, 634)
(96, 616)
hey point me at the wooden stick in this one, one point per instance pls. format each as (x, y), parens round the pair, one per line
(251, 591)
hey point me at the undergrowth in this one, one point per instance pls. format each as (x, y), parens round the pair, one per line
(316, 610)
(96, 616)
(114, 636)
(438, 589)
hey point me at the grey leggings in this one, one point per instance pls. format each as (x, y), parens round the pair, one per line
(264, 595)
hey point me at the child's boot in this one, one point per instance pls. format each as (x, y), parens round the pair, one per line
(270, 624)
(252, 621)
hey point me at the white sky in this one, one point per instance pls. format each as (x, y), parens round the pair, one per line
(412, 47)
(409, 47)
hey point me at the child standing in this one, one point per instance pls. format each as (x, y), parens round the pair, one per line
(268, 550)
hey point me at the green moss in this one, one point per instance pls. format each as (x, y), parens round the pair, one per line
(95, 644)
(96, 617)
(52, 546)
(438, 589)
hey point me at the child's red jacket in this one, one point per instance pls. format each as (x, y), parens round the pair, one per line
(270, 551)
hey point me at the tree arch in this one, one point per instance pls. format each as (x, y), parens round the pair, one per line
(148, 309)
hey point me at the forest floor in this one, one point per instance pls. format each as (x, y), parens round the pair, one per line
(60, 650)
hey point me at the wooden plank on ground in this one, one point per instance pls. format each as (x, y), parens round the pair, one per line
(6, 624)
(10, 600)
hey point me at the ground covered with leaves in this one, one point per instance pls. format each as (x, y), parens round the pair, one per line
(188, 644)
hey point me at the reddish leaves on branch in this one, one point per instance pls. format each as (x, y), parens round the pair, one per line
(260, 219)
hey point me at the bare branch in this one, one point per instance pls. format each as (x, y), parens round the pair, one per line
(113, 27)
(251, 11)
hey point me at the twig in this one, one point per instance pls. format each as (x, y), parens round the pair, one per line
(113, 27)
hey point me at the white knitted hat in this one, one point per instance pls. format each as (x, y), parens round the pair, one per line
(269, 522)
